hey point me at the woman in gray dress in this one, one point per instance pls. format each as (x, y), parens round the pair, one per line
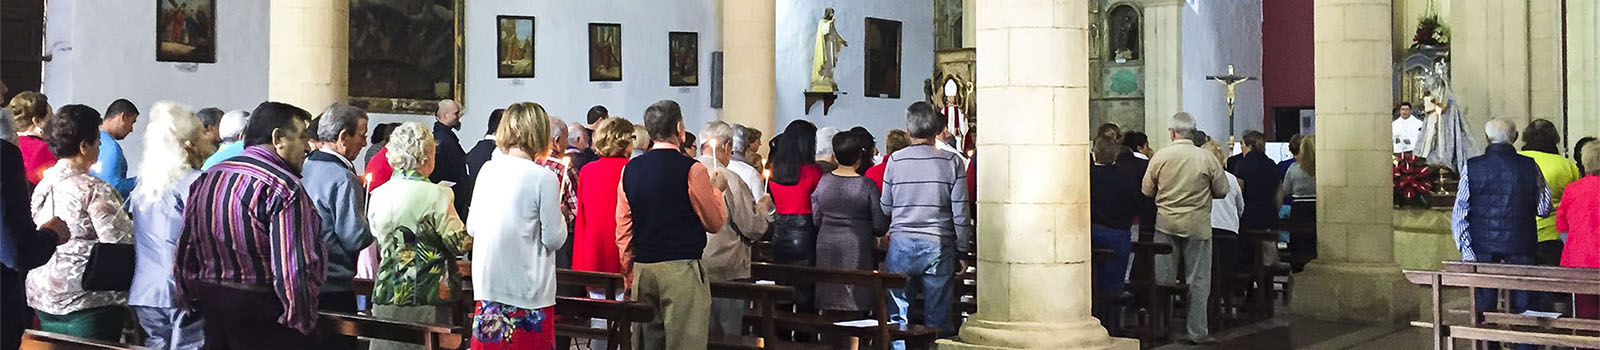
(845, 208)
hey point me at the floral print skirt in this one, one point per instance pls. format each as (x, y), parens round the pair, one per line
(499, 326)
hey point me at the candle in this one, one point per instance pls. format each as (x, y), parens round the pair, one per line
(567, 160)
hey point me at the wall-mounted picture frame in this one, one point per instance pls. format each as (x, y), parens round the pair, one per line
(683, 59)
(881, 59)
(186, 31)
(405, 55)
(605, 52)
(514, 56)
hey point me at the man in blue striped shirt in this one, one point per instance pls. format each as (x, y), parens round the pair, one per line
(925, 196)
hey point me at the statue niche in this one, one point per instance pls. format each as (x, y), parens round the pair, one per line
(1123, 25)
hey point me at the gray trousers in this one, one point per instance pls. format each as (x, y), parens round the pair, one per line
(727, 316)
(171, 329)
(681, 295)
(1193, 257)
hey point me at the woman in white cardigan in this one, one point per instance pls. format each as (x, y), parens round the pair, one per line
(518, 227)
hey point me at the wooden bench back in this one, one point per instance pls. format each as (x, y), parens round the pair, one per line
(41, 340)
(880, 283)
(610, 283)
(1515, 277)
(430, 336)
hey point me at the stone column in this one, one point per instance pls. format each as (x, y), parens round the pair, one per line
(1583, 70)
(749, 55)
(1033, 255)
(309, 59)
(1355, 277)
(969, 23)
(1163, 67)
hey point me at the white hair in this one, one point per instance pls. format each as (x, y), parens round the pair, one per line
(171, 141)
(825, 141)
(1500, 130)
(408, 146)
(575, 133)
(231, 128)
(1183, 124)
(717, 130)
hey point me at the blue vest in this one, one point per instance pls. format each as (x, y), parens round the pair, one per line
(1504, 201)
(665, 226)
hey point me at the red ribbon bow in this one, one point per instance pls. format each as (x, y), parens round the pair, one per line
(1412, 177)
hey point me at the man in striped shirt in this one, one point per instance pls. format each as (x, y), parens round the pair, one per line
(250, 257)
(925, 196)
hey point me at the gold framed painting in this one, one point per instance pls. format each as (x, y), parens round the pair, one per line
(186, 31)
(683, 59)
(514, 58)
(605, 52)
(405, 55)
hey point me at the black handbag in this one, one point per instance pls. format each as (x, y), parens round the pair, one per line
(110, 265)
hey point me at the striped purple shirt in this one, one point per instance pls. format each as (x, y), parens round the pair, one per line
(249, 221)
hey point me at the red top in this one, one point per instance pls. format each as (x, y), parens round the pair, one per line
(796, 199)
(378, 169)
(594, 237)
(36, 157)
(1579, 216)
(876, 174)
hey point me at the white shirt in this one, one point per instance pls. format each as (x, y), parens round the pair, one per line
(516, 231)
(751, 177)
(1225, 212)
(1407, 132)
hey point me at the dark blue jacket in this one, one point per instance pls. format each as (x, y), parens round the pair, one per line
(1260, 177)
(1503, 201)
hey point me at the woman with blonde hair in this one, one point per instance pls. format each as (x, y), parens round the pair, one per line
(28, 112)
(419, 235)
(595, 244)
(519, 227)
(1300, 185)
(175, 146)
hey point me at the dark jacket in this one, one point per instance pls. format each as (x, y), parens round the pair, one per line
(479, 154)
(22, 245)
(1503, 201)
(1132, 167)
(1260, 179)
(450, 164)
(1114, 199)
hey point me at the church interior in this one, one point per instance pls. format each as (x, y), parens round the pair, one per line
(1041, 78)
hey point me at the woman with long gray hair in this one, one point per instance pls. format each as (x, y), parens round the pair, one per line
(176, 145)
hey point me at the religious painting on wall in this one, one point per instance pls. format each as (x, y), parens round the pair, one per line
(683, 59)
(515, 56)
(882, 73)
(405, 55)
(605, 52)
(186, 31)
(1123, 43)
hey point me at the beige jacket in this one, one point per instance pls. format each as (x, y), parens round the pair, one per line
(727, 256)
(1184, 179)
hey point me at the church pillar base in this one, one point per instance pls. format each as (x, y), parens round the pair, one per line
(1353, 292)
(986, 335)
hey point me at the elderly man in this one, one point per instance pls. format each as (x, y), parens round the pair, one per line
(925, 197)
(340, 196)
(231, 130)
(450, 162)
(112, 166)
(211, 118)
(250, 255)
(727, 255)
(1183, 179)
(1501, 193)
(743, 140)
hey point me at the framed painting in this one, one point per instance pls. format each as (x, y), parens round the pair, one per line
(405, 55)
(882, 59)
(683, 59)
(186, 31)
(515, 55)
(605, 52)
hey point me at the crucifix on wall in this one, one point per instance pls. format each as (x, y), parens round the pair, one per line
(1231, 81)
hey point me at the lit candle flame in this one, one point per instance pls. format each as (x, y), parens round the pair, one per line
(567, 160)
(766, 173)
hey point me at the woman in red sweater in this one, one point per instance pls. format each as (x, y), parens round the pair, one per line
(29, 110)
(594, 242)
(1579, 217)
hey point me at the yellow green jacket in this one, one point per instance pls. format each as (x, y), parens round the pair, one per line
(1558, 172)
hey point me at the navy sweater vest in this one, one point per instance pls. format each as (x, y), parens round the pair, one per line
(665, 226)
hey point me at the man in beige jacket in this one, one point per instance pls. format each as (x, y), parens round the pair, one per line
(1184, 179)
(727, 256)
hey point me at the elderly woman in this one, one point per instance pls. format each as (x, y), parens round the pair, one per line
(849, 219)
(1540, 141)
(176, 145)
(520, 228)
(594, 247)
(94, 214)
(419, 235)
(28, 111)
(1579, 217)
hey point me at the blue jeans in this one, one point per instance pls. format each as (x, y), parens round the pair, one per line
(931, 266)
(171, 328)
(1108, 275)
(1520, 300)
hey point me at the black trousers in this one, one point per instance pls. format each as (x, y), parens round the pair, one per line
(238, 319)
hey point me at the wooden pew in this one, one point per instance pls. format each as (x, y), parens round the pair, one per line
(879, 282)
(620, 316)
(430, 336)
(1491, 325)
(41, 340)
(1152, 299)
(765, 297)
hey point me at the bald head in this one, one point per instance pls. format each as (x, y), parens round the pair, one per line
(449, 113)
(1500, 130)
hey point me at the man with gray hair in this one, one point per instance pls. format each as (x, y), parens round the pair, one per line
(1500, 194)
(1183, 179)
(925, 197)
(340, 197)
(230, 129)
(743, 139)
(578, 148)
(210, 118)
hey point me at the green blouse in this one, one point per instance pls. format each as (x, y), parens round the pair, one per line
(419, 235)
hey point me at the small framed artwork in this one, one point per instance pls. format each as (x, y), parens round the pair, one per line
(882, 58)
(683, 59)
(515, 55)
(186, 31)
(605, 52)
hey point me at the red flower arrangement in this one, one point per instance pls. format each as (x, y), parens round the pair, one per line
(1413, 181)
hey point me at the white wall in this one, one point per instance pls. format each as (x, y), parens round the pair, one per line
(1216, 34)
(796, 30)
(104, 50)
(561, 44)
